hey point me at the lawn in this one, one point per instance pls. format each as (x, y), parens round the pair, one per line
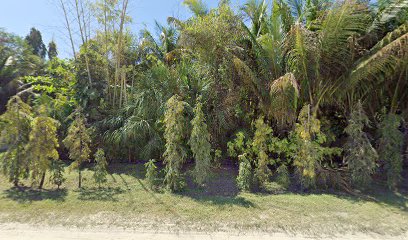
(126, 202)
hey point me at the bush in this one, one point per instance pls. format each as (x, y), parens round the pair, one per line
(245, 175)
(262, 136)
(360, 155)
(57, 173)
(100, 168)
(283, 176)
(174, 134)
(200, 146)
(390, 148)
(151, 174)
(310, 152)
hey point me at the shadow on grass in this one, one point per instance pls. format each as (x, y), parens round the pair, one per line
(220, 200)
(99, 194)
(134, 170)
(378, 195)
(221, 190)
(390, 198)
(27, 195)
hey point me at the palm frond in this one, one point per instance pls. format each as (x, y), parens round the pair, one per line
(339, 27)
(198, 7)
(284, 94)
(389, 12)
(301, 58)
(383, 59)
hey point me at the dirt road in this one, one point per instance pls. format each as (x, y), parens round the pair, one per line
(18, 231)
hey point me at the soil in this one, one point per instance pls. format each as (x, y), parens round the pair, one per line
(15, 231)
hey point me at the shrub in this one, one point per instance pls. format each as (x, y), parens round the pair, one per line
(100, 172)
(14, 136)
(57, 173)
(175, 153)
(77, 142)
(390, 148)
(245, 175)
(359, 153)
(310, 152)
(200, 146)
(42, 147)
(283, 176)
(151, 174)
(263, 134)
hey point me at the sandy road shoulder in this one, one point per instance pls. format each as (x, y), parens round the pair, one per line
(18, 231)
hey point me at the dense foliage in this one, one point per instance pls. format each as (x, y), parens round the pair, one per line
(151, 174)
(42, 147)
(360, 154)
(309, 94)
(78, 142)
(101, 172)
(15, 132)
(390, 148)
(175, 154)
(200, 145)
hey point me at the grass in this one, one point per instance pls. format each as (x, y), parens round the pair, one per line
(126, 202)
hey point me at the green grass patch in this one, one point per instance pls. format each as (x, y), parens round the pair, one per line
(126, 202)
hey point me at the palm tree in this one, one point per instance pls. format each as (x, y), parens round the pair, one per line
(255, 10)
(163, 47)
(197, 7)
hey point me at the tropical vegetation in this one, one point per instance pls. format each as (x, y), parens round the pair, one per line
(308, 94)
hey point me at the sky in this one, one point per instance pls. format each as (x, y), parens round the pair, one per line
(19, 16)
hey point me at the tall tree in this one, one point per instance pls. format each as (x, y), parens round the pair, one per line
(16, 60)
(52, 50)
(78, 143)
(68, 27)
(34, 39)
(174, 134)
(42, 146)
(198, 7)
(200, 145)
(255, 10)
(120, 73)
(14, 137)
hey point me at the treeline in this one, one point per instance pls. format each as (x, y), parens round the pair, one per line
(305, 93)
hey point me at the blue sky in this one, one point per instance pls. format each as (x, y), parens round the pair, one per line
(18, 16)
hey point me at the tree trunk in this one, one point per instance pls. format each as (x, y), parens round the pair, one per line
(118, 67)
(68, 28)
(42, 180)
(82, 31)
(79, 178)
(15, 182)
(108, 81)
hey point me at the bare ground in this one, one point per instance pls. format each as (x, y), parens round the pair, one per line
(17, 231)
